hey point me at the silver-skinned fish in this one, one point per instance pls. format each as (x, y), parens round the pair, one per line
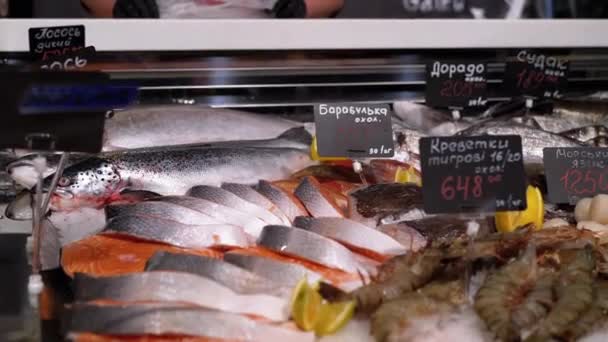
(252, 225)
(287, 274)
(178, 234)
(179, 287)
(310, 246)
(227, 198)
(236, 278)
(147, 126)
(23, 172)
(249, 194)
(97, 181)
(352, 233)
(166, 319)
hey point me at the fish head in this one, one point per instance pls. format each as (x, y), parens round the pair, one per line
(23, 170)
(89, 183)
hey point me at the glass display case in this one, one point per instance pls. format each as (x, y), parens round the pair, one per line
(250, 81)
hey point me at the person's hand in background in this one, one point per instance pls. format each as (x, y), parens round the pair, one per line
(306, 8)
(135, 9)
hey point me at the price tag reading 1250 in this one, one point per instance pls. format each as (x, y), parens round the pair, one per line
(575, 173)
(535, 74)
(456, 84)
(354, 130)
(464, 174)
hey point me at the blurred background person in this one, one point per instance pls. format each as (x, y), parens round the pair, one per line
(217, 8)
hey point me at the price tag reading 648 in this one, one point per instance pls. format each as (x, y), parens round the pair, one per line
(481, 174)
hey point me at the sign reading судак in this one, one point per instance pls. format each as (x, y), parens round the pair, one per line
(456, 84)
(575, 172)
(354, 130)
(536, 74)
(464, 174)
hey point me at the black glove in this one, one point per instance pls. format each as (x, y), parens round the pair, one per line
(135, 9)
(289, 9)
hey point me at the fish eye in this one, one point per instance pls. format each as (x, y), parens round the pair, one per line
(64, 181)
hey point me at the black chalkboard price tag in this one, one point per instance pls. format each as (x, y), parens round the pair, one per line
(575, 172)
(456, 84)
(472, 174)
(75, 60)
(535, 74)
(46, 42)
(354, 130)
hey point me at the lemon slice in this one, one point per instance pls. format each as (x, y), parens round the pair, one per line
(334, 316)
(508, 221)
(306, 305)
(407, 175)
(314, 152)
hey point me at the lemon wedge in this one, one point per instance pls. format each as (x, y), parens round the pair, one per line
(306, 304)
(314, 152)
(334, 316)
(508, 221)
(407, 175)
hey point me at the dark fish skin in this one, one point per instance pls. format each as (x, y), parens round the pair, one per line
(178, 287)
(310, 246)
(229, 275)
(95, 181)
(375, 202)
(178, 234)
(316, 200)
(289, 204)
(287, 274)
(159, 209)
(170, 319)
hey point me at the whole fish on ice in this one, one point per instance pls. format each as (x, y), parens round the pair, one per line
(147, 126)
(23, 172)
(97, 181)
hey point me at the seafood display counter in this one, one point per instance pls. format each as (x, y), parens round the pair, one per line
(209, 214)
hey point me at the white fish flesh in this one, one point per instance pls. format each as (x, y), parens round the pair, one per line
(289, 204)
(249, 194)
(310, 246)
(287, 274)
(252, 225)
(352, 233)
(179, 287)
(178, 234)
(236, 278)
(169, 319)
(228, 199)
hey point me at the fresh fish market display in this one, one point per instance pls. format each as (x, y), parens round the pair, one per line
(220, 225)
